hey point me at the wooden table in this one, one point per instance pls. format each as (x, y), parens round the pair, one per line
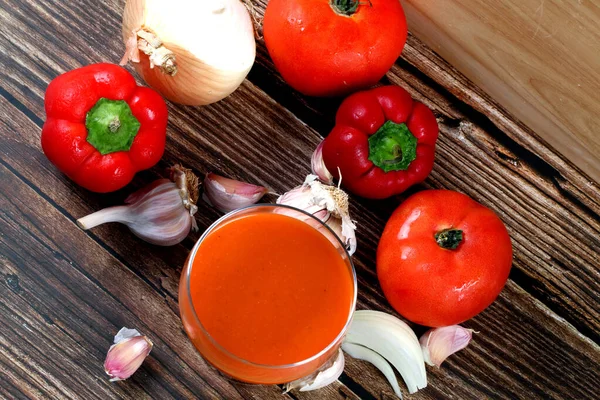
(64, 292)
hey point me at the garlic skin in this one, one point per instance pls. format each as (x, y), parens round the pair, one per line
(326, 375)
(440, 343)
(161, 213)
(127, 354)
(192, 52)
(318, 165)
(227, 195)
(328, 203)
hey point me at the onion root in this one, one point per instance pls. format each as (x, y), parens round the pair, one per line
(151, 45)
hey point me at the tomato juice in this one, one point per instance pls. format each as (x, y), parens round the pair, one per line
(267, 294)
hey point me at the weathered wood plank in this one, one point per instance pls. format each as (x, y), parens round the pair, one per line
(509, 357)
(23, 391)
(431, 67)
(509, 168)
(223, 139)
(82, 288)
(551, 209)
(451, 95)
(333, 391)
(159, 273)
(79, 306)
(370, 297)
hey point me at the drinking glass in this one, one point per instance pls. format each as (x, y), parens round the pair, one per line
(232, 365)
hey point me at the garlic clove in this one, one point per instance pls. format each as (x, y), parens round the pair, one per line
(228, 194)
(127, 354)
(440, 343)
(161, 213)
(362, 353)
(394, 341)
(326, 375)
(161, 219)
(318, 165)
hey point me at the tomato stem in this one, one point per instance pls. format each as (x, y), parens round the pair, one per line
(449, 239)
(348, 7)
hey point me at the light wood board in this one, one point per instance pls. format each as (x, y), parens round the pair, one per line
(540, 59)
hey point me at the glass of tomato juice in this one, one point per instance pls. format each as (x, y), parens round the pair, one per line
(267, 294)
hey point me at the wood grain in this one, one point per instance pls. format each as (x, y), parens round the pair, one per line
(68, 292)
(516, 174)
(537, 58)
(86, 303)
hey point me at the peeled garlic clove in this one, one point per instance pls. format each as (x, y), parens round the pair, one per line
(228, 194)
(161, 213)
(318, 165)
(127, 354)
(326, 375)
(439, 343)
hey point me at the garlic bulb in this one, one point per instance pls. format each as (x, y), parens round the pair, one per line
(162, 213)
(440, 343)
(127, 354)
(228, 194)
(328, 203)
(192, 52)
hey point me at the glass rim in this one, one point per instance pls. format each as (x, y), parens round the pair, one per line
(188, 293)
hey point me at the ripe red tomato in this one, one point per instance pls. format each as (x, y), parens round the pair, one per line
(332, 47)
(443, 258)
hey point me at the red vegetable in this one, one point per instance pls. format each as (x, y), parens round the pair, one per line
(332, 47)
(383, 142)
(102, 128)
(443, 258)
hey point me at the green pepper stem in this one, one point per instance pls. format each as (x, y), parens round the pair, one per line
(449, 239)
(392, 147)
(111, 126)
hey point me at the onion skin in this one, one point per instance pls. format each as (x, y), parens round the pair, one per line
(213, 42)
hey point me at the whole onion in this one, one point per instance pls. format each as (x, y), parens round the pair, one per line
(193, 52)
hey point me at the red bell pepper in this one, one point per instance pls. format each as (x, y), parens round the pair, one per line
(102, 128)
(383, 142)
